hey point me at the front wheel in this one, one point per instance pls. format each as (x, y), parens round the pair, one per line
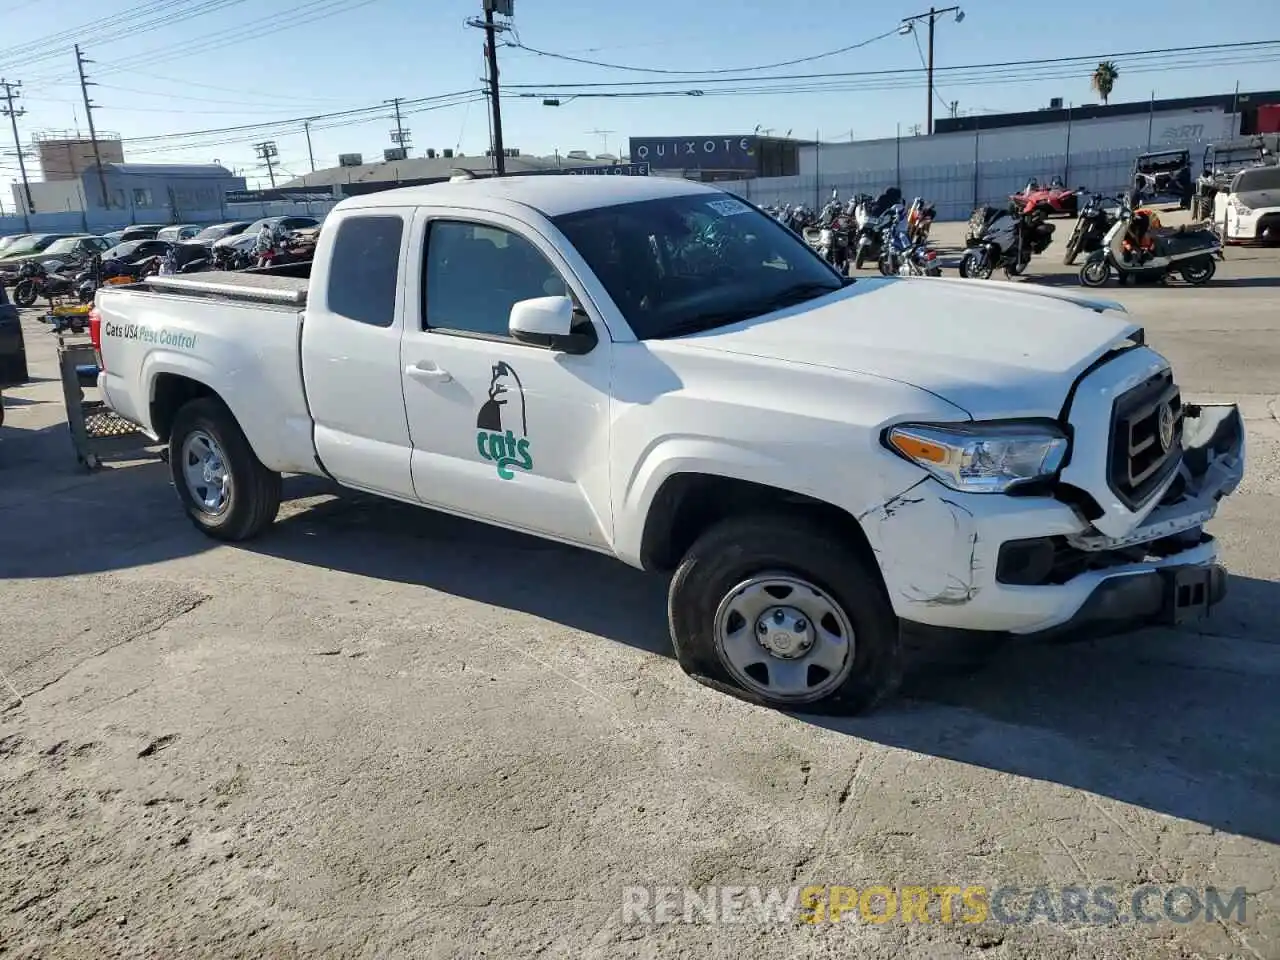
(859, 258)
(227, 492)
(1073, 245)
(975, 264)
(25, 293)
(887, 268)
(1095, 273)
(778, 611)
(1199, 272)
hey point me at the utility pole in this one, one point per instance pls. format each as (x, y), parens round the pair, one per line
(268, 151)
(306, 126)
(491, 29)
(399, 136)
(13, 113)
(85, 84)
(908, 25)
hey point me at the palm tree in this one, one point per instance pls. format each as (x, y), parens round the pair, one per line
(1104, 79)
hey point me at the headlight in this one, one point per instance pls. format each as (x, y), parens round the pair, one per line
(989, 457)
(1240, 208)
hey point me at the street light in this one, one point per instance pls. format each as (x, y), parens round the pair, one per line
(908, 25)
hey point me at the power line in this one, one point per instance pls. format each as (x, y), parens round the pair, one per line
(289, 19)
(1256, 45)
(365, 112)
(764, 66)
(224, 140)
(117, 29)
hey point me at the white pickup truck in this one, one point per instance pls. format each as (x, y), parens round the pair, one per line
(656, 370)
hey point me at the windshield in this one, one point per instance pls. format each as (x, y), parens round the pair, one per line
(1259, 178)
(677, 265)
(29, 245)
(64, 246)
(213, 233)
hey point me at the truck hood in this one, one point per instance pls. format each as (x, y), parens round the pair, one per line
(993, 348)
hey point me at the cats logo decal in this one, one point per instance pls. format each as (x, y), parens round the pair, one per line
(502, 426)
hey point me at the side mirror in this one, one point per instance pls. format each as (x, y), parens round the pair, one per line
(549, 322)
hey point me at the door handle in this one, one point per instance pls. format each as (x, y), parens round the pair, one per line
(428, 372)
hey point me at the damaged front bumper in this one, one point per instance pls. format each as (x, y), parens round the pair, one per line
(1032, 565)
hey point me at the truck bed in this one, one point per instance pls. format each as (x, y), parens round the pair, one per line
(281, 287)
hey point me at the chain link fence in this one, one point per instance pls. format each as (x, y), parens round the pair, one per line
(954, 189)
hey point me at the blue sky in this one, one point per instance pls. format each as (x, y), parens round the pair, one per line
(154, 81)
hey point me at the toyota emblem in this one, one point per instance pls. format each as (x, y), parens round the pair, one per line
(1166, 427)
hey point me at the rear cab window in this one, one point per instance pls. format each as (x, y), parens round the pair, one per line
(364, 268)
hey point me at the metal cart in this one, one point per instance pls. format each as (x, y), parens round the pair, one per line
(94, 429)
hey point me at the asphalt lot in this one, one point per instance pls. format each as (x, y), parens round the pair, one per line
(383, 732)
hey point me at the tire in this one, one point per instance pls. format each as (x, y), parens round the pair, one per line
(771, 548)
(1073, 245)
(859, 258)
(253, 497)
(1199, 277)
(886, 269)
(25, 293)
(972, 265)
(1095, 273)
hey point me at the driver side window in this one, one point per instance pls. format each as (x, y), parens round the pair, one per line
(475, 273)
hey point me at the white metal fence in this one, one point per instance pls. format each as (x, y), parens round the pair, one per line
(104, 221)
(954, 189)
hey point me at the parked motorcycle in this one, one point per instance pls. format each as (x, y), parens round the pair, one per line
(871, 217)
(1138, 252)
(1090, 228)
(1008, 239)
(919, 219)
(229, 258)
(35, 281)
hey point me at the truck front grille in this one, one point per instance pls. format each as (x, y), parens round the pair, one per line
(1146, 439)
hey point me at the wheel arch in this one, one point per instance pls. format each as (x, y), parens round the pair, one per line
(689, 502)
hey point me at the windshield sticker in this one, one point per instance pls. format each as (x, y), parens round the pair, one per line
(145, 334)
(501, 416)
(728, 208)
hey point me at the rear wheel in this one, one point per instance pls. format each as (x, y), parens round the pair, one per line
(1095, 273)
(25, 293)
(227, 492)
(777, 611)
(1199, 272)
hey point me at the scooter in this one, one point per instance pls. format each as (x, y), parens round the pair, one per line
(1137, 253)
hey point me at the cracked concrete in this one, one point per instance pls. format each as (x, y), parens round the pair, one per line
(379, 732)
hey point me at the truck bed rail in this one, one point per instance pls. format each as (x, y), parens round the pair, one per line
(256, 287)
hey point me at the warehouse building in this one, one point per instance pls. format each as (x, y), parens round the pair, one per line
(353, 176)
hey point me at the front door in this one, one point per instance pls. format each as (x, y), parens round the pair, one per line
(502, 431)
